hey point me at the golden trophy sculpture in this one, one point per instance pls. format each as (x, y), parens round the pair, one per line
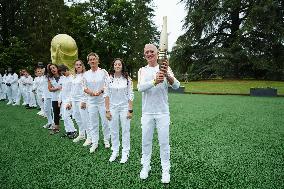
(64, 50)
(163, 47)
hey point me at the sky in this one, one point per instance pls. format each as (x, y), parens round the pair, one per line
(175, 14)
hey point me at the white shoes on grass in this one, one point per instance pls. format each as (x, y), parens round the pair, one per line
(79, 138)
(87, 142)
(145, 173)
(113, 156)
(93, 148)
(166, 177)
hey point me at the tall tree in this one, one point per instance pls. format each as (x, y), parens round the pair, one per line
(220, 34)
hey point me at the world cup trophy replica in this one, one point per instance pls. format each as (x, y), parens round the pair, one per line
(64, 50)
(163, 47)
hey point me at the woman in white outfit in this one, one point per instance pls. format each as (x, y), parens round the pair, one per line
(79, 106)
(54, 87)
(118, 102)
(153, 83)
(47, 100)
(94, 82)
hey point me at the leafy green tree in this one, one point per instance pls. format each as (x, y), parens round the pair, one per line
(232, 38)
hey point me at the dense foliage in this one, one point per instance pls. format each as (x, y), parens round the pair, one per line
(232, 39)
(112, 28)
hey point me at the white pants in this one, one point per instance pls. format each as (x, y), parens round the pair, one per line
(162, 123)
(31, 99)
(48, 110)
(66, 115)
(39, 101)
(2, 92)
(20, 94)
(94, 111)
(9, 93)
(81, 117)
(4, 88)
(120, 114)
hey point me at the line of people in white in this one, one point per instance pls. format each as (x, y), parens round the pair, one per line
(93, 95)
(14, 88)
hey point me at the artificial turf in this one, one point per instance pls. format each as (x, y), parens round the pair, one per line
(216, 142)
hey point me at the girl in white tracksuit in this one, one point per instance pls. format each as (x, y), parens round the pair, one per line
(47, 100)
(65, 101)
(153, 83)
(54, 87)
(94, 84)
(118, 101)
(79, 100)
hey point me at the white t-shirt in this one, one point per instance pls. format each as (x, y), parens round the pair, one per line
(12, 79)
(154, 98)
(77, 92)
(55, 83)
(46, 94)
(95, 81)
(65, 92)
(119, 90)
(28, 83)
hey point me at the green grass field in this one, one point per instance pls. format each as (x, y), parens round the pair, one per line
(216, 142)
(229, 86)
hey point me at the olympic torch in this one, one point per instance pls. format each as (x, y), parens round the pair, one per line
(163, 48)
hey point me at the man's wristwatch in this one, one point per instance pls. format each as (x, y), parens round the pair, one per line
(130, 111)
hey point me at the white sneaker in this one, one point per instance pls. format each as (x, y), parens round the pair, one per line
(24, 104)
(113, 156)
(47, 126)
(78, 138)
(166, 177)
(93, 148)
(124, 157)
(107, 145)
(16, 104)
(10, 102)
(87, 142)
(145, 172)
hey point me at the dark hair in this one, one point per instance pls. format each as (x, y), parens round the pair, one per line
(62, 68)
(48, 70)
(123, 70)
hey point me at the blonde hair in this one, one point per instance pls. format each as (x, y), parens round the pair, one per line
(93, 54)
(84, 68)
